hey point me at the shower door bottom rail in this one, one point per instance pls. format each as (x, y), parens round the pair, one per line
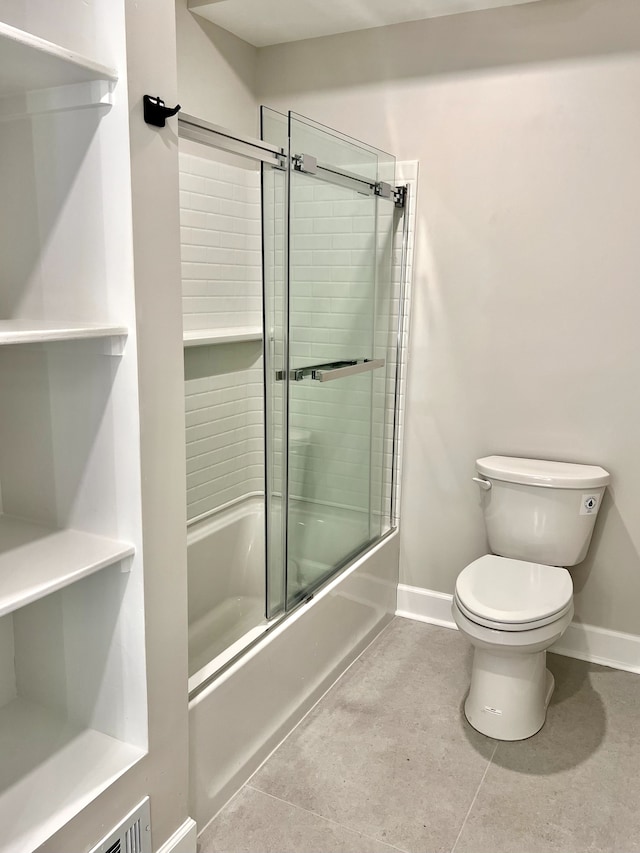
(327, 372)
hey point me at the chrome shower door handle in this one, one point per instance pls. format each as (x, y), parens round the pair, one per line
(329, 372)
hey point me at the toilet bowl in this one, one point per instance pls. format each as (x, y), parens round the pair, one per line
(511, 611)
(516, 602)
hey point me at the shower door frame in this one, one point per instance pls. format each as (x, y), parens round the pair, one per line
(398, 195)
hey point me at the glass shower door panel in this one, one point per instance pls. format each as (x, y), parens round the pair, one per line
(335, 452)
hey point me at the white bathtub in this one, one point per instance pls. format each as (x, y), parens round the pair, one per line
(239, 718)
(226, 573)
(226, 586)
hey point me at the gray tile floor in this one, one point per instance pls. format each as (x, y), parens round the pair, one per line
(386, 761)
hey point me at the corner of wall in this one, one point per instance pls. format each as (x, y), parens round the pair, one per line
(217, 73)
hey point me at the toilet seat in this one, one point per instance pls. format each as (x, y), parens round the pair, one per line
(513, 595)
(511, 626)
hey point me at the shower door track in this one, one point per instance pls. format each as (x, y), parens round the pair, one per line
(216, 136)
(309, 165)
(198, 130)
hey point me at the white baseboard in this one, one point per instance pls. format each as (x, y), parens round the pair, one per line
(599, 645)
(183, 840)
(584, 642)
(425, 605)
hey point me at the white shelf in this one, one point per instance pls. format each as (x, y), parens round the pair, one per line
(50, 770)
(207, 337)
(36, 561)
(28, 63)
(32, 331)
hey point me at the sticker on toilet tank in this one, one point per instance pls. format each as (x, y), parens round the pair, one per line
(589, 504)
(495, 711)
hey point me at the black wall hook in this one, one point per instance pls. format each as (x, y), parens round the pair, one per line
(155, 112)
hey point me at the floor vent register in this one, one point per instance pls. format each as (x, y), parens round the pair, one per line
(132, 835)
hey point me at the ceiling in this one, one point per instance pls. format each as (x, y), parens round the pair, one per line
(266, 22)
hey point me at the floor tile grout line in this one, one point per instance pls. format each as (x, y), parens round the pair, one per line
(475, 797)
(328, 819)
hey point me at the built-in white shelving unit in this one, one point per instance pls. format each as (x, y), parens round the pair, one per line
(74, 764)
(42, 331)
(38, 76)
(36, 561)
(28, 62)
(207, 337)
(73, 714)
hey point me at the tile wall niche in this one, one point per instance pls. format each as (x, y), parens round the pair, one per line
(221, 275)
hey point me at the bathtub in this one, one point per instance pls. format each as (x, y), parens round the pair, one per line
(239, 717)
(226, 586)
(226, 573)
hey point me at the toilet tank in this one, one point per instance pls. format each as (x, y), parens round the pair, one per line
(540, 511)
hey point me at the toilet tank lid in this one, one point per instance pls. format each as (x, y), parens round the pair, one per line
(541, 472)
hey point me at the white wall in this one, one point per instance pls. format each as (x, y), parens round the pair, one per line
(524, 335)
(216, 73)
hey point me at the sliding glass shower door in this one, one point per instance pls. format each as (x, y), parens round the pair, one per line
(330, 358)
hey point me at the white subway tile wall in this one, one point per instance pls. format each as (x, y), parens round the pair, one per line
(221, 244)
(222, 289)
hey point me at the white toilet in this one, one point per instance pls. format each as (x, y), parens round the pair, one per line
(539, 517)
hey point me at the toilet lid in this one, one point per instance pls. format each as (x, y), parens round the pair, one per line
(513, 592)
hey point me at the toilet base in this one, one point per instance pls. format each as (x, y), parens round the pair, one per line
(509, 693)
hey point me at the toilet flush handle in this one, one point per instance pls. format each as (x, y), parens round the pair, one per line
(484, 484)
